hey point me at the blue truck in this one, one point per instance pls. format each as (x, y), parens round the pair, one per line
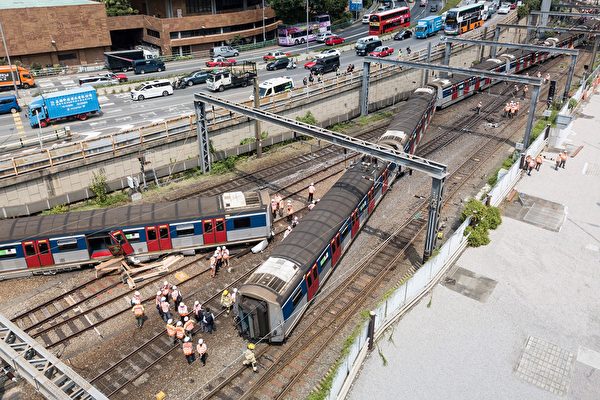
(428, 26)
(77, 103)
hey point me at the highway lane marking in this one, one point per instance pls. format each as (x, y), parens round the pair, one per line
(107, 104)
(98, 123)
(123, 118)
(46, 84)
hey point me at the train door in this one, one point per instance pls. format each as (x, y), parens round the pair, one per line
(385, 182)
(152, 239)
(312, 282)
(517, 65)
(355, 221)
(371, 201)
(454, 92)
(467, 87)
(220, 231)
(37, 253)
(477, 82)
(336, 250)
(120, 239)
(158, 238)
(208, 228)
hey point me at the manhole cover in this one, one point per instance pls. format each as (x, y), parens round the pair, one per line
(470, 284)
(536, 211)
(592, 169)
(545, 365)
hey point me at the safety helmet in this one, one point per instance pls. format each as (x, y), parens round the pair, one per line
(187, 339)
(186, 319)
(224, 248)
(137, 293)
(174, 287)
(200, 341)
(218, 247)
(170, 321)
(251, 346)
(289, 202)
(196, 302)
(234, 290)
(163, 299)
(158, 293)
(165, 283)
(312, 184)
(225, 292)
(179, 323)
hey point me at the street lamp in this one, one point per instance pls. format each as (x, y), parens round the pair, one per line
(264, 33)
(12, 73)
(307, 27)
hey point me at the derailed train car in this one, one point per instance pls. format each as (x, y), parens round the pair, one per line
(276, 295)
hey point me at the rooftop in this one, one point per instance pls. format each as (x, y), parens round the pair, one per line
(6, 5)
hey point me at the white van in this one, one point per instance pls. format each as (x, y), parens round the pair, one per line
(157, 88)
(224, 51)
(274, 86)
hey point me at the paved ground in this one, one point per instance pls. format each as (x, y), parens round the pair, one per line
(522, 320)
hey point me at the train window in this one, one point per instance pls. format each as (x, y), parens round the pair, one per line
(308, 280)
(132, 237)
(43, 247)
(151, 234)
(241, 223)
(344, 231)
(362, 206)
(297, 296)
(66, 245)
(30, 249)
(164, 232)
(220, 225)
(323, 259)
(9, 252)
(208, 228)
(185, 230)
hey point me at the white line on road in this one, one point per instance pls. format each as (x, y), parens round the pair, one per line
(107, 104)
(123, 118)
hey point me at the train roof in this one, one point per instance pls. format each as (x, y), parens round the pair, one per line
(103, 220)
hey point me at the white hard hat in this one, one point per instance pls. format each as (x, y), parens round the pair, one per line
(163, 299)
(289, 202)
(224, 248)
(158, 293)
(179, 323)
(174, 287)
(170, 321)
(187, 339)
(200, 341)
(137, 293)
(196, 302)
(312, 184)
(218, 247)
(165, 283)
(234, 290)
(186, 319)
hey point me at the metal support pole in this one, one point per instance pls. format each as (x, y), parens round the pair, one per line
(263, 23)
(307, 27)
(426, 71)
(37, 114)
(447, 51)
(496, 38)
(569, 78)
(531, 116)
(257, 130)
(482, 47)
(12, 73)
(202, 133)
(545, 7)
(364, 90)
(594, 51)
(529, 23)
(435, 204)
(371, 330)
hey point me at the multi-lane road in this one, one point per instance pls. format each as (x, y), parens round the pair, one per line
(120, 112)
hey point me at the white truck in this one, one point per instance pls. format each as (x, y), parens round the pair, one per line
(235, 76)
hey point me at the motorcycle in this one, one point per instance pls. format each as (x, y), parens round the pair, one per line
(291, 65)
(179, 84)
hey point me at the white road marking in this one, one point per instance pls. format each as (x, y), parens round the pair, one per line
(103, 98)
(68, 82)
(90, 135)
(588, 357)
(98, 123)
(584, 170)
(46, 84)
(107, 104)
(122, 119)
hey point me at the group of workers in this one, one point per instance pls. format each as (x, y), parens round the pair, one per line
(278, 207)
(511, 109)
(220, 258)
(535, 163)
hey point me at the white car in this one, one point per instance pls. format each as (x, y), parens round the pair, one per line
(322, 37)
(504, 9)
(365, 18)
(328, 52)
(157, 88)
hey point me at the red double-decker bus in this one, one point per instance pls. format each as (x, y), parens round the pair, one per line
(389, 21)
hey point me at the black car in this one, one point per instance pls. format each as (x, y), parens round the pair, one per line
(195, 78)
(326, 64)
(403, 34)
(280, 63)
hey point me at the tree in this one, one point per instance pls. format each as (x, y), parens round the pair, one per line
(294, 11)
(119, 7)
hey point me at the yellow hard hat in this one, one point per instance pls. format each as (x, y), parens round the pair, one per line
(225, 292)
(251, 346)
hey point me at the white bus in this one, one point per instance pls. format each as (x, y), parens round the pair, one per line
(464, 19)
(274, 86)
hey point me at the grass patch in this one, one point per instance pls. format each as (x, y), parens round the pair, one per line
(59, 209)
(483, 218)
(450, 4)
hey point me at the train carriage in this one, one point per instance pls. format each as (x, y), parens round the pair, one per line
(275, 296)
(51, 243)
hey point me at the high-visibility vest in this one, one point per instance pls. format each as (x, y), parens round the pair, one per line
(166, 290)
(164, 306)
(188, 326)
(170, 330)
(188, 349)
(201, 348)
(138, 310)
(180, 332)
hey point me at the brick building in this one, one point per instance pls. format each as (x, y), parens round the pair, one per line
(73, 32)
(54, 31)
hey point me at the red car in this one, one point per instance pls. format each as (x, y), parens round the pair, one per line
(333, 40)
(513, 6)
(221, 62)
(274, 55)
(382, 51)
(310, 64)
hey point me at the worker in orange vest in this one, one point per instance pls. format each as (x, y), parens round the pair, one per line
(188, 326)
(138, 311)
(171, 330)
(179, 332)
(506, 109)
(188, 350)
(538, 162)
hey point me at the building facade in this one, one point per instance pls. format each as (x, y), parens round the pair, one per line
(78, 32)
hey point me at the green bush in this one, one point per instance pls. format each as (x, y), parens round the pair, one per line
(98, 186)
(113, 200)
(308, 118)
(478, 236)
(59, 209)
(483, 218)
(223, 166)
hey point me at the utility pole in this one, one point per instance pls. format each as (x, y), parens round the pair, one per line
(307, 27)
(263, 21)
(12, 73)
(257, 131)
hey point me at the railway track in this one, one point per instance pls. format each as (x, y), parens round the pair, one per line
(282, 367)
